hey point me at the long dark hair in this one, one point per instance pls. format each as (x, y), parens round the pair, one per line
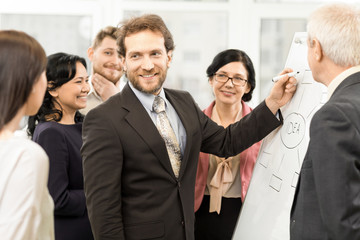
(234, 55)
(22, 61)
(61, 68)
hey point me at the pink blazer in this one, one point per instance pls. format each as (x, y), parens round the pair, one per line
(247, 162)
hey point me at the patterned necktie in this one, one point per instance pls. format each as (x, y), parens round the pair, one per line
(167, 133)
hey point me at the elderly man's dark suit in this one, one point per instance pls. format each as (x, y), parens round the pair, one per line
(327, 198)
(130, 187)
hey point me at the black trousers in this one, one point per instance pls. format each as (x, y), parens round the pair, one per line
(213, 226)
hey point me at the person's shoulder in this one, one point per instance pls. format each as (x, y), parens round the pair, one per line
(48, 130)
(48, 127)
(246, 108)
(111, 102)
(99, 111)
(21, 142)
(31, 159)
(176, 91)
(27, 144)
(338, 108)
(107, 108)
(182, 95)
(28, 149)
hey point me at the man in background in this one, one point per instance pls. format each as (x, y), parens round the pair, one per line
(107, 69)
(327, 198)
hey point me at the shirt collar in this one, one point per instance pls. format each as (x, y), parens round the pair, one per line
(340, 78)
(92, 90)
(147, 99)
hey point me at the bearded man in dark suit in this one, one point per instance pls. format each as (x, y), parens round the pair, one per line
(139, 175)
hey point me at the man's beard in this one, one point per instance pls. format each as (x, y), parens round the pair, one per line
(134, 79)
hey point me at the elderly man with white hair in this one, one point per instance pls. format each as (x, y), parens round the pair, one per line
(327, 198)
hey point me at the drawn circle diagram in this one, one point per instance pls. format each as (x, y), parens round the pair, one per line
(293, 131)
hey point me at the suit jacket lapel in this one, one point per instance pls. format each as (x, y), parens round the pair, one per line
(177, 103)
(140, 120)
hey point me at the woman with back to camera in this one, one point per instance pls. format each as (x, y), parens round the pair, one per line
(26, 208)
(57, 127)
(221, 184)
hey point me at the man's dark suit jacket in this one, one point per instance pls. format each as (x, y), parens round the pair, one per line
(130, 187)
(327, 198)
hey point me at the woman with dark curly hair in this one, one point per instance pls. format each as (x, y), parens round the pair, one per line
(57, 127)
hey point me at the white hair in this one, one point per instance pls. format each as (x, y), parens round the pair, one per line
(337, 28)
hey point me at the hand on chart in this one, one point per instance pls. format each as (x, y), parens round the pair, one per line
(282, 91)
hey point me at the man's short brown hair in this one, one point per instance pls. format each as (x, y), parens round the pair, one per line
(150, 22)
(108, 31)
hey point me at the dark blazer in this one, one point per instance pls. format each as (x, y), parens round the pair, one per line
(327, 198)
(130, 188)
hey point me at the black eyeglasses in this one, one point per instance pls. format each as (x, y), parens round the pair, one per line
(223, 78)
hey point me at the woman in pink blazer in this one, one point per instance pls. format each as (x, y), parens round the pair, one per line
(221, 184)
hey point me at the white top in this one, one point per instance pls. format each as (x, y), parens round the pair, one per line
(26, 207)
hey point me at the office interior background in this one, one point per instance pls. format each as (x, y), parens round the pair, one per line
(201, 28)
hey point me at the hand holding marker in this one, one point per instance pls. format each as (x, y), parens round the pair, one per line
(292, 74)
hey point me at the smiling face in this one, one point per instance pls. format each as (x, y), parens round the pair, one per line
(105, 60)
(72, 95)
(146, 61)
(227, 93)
